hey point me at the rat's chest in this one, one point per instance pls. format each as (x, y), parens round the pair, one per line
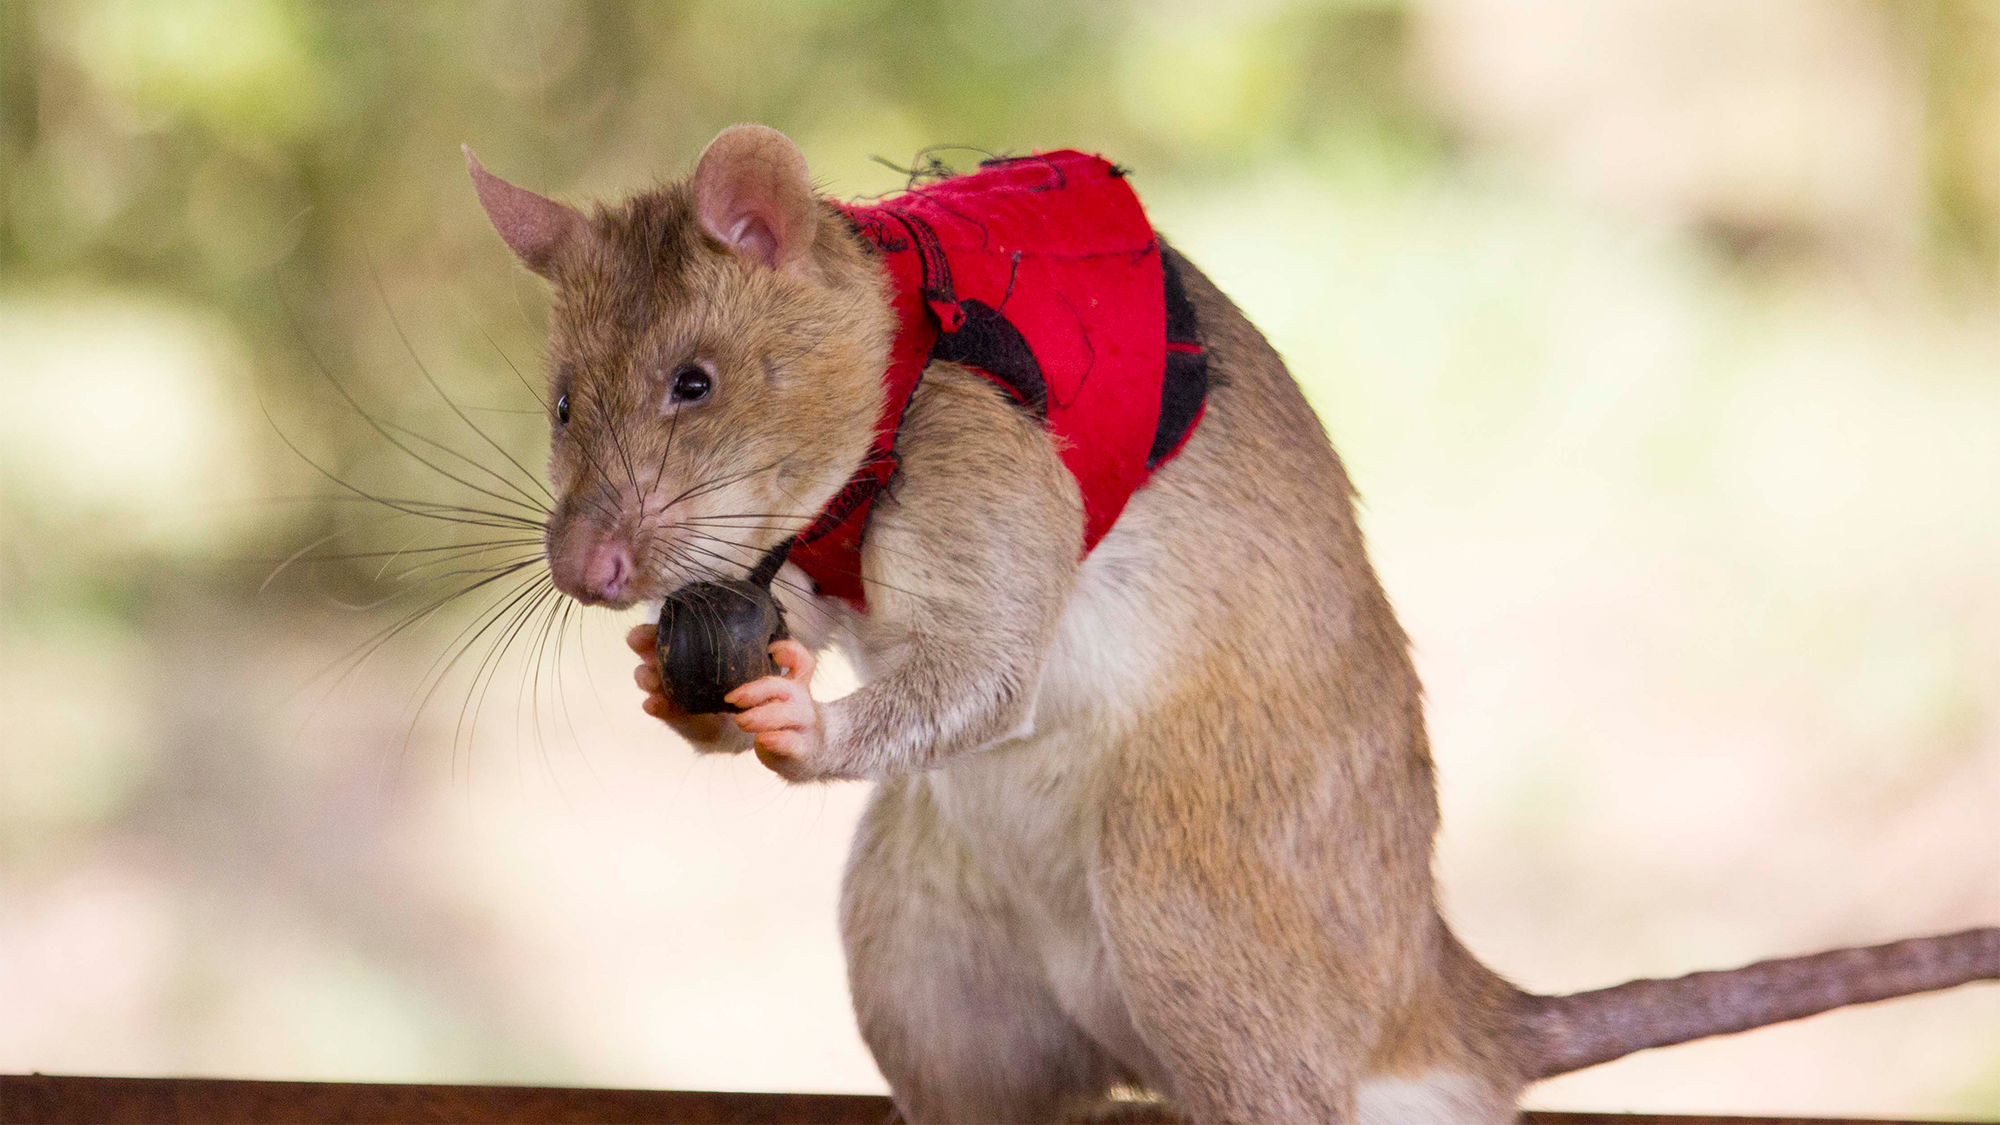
(1032, 798)
(1026, 811)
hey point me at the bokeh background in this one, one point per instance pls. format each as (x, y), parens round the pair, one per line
(1660, 338)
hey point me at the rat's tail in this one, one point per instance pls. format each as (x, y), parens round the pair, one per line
(1586, 1028)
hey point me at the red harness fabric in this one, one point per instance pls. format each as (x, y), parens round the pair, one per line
(1041, 273)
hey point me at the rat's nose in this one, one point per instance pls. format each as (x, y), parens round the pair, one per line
(601, 573)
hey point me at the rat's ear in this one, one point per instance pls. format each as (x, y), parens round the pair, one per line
(752, 194)
(534, 228)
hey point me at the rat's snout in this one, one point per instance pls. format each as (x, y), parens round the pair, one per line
(594, 567)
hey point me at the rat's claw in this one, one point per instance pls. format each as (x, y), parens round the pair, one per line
(756, 693)
(796, 659)
(647, 676)
(786, 709)
(642, 639)
(781, 713)
(779, 751)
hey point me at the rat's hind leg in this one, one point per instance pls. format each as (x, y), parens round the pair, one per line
(1268, 923)
(951, 1000)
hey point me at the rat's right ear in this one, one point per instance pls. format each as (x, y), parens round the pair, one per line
(533, 227)
(752, 194)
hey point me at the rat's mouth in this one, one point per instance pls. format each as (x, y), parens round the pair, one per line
(597, 568)
(620, 567)
(682, 555)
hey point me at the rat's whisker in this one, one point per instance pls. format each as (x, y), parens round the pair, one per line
(410, 348)
(811, 598)
(376, 425)
(581, 447)
(513, 512)
(421, 558)
(853, 569)
(405, 505)
(461, 572)
(448, 554)
(348, 556)
(668, 554)
(294, 557)
(722, 516)
(506, 482)
(713, 483)
(489, 667)
(460, 645)
(550, 613)
(352, 661)
(426, 509)
(717, 523)
(659, 473)
(632, 477)
(566, 610)
(597, 505)
(408, 588)
(547, 406)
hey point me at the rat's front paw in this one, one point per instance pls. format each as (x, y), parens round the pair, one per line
(783, 716)
(707, 734)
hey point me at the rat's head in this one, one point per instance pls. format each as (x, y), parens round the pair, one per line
(715, 366)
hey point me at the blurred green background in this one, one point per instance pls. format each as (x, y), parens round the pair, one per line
(1660, 338)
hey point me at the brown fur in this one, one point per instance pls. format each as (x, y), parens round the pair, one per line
(1162, 817)
(646, 291)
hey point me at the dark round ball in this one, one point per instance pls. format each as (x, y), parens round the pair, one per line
(714, 638)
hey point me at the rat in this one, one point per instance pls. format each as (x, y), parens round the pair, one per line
(1154, 802)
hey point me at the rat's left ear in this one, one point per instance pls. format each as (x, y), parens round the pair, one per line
(753, 195)
(535, 228)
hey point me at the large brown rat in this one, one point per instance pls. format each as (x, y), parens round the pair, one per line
(1159, 812)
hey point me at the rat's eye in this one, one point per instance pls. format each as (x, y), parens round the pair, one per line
(562, 409)
(691, 383)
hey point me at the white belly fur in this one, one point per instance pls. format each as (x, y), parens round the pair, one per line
(1025, 807)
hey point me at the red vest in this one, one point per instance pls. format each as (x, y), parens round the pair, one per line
(1042, 274)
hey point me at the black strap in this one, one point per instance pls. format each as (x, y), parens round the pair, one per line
(767, 567)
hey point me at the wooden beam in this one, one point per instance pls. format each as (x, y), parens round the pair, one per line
(48, 1099)
(62, 1100)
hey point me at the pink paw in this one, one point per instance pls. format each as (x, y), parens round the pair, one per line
(781, 713)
